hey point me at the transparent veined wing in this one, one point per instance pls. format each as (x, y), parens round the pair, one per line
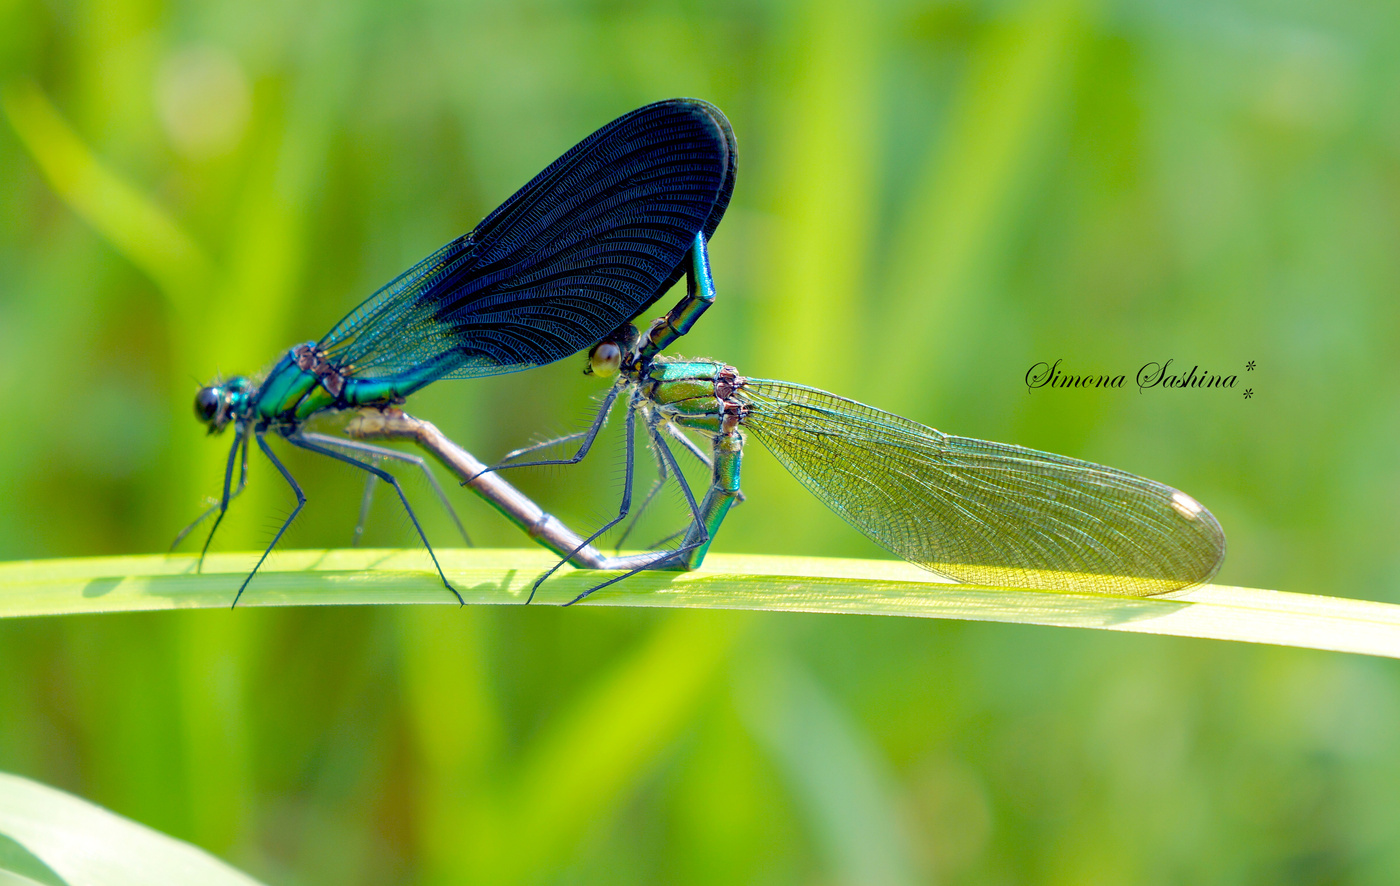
(981, 512)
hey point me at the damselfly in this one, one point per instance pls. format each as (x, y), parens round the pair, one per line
(972, 510)
(588, 244)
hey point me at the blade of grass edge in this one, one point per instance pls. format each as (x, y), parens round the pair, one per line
(81, 842)
(794, 584)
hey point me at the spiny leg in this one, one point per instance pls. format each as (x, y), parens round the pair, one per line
(661, 478)
(689, 444)
(622, 510)
(365, 501)
(588, 437)
(661, 542)
(189, 527)
(302, 441)
(697, 524)
(386, 452)
(301, 503)
(676, 434)
(240, 436)
(536, 447)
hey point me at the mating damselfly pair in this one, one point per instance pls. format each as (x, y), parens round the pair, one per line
(569, 264)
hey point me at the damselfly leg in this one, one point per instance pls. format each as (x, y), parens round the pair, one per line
(301, 441)
(694, 541)
(240, 440)
(385, 452)
(301, 503)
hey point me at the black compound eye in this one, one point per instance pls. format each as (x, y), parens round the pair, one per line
(206, 404)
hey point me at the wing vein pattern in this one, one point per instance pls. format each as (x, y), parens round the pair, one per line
(982, 512)
(585, 246)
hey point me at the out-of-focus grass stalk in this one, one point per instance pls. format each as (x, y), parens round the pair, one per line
(825, 194)
(243, 311)
(149, 237)
(793, 584)
(847, 787)
(138, 228)
(1017, 77)
(455, 730)
(576, 773)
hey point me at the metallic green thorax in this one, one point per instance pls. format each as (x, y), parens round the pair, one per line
(304, 382)
(700, 395)
(291, 392)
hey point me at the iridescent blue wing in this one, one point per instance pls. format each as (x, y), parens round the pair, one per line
(586, 246)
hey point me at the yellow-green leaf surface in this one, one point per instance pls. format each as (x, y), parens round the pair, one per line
(870, 587)
(53, 838)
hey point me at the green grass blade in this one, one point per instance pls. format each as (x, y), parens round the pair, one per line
(138, 227)
(591, 758)
(51, 837)
(834, 768)
(795, 584)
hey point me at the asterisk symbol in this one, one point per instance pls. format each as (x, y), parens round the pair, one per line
(1249, 367)
(1248, 392)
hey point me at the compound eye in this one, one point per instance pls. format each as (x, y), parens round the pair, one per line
(206, 404)
(605, 359)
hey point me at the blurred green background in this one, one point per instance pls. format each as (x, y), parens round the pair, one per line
(931, 198)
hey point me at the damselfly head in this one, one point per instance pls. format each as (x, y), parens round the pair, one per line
(218, 404)
(605, 358)
(206, 404)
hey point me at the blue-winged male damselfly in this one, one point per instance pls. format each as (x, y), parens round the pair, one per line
(586, 245)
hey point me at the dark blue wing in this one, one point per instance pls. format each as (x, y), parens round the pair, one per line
(586, 246)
